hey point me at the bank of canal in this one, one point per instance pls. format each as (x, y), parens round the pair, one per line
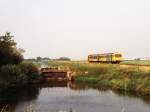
(64, 97)
(117, 77)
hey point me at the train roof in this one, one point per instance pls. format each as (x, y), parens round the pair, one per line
(103, 54)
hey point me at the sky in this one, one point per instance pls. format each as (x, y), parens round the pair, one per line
(76, 28)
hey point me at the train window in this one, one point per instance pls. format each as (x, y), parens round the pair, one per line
(101, 56)
(95, 57)
(118, 55)
(90, 56)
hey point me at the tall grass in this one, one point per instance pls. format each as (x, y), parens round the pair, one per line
(136, 62)
(112, 76)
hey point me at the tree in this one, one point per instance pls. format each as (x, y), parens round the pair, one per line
(38, 58)
(12, 70)
(64, 59)
(9, 53)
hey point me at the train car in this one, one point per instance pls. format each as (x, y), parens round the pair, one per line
(105, 58)
(93, 58)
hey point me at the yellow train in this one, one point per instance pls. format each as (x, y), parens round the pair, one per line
(105, 58)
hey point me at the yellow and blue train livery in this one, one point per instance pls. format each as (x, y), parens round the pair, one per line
(105, 58)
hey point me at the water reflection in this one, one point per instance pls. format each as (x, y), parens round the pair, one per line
(54, 84)
(11, 97)
(82, 86)
(70, 97)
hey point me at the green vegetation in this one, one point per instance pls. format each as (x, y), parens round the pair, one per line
(13, 71)
(80, 67)
(9, 53)
(136, 62)
(110, 76)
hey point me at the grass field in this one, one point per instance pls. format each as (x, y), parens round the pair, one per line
(136, 62)
(109, 76)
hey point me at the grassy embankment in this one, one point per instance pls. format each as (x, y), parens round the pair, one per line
(137, 62)
(130, 79)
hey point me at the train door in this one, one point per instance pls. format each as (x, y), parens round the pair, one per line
(108, 58)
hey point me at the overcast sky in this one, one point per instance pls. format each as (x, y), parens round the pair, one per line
(76, 28)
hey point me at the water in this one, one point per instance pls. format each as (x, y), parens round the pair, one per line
(63, 98)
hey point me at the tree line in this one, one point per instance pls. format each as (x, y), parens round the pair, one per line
(48, 59)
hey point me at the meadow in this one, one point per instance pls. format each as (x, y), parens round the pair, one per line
(137, 62)
(130, 79)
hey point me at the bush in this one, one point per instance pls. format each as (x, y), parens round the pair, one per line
(30, 70)
(11, 75)
(23, 73)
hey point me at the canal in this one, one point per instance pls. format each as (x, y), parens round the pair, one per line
(64, 97)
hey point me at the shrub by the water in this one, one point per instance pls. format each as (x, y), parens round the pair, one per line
(10, 74)
(30, 71)
(17, 75)
(24, 73)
